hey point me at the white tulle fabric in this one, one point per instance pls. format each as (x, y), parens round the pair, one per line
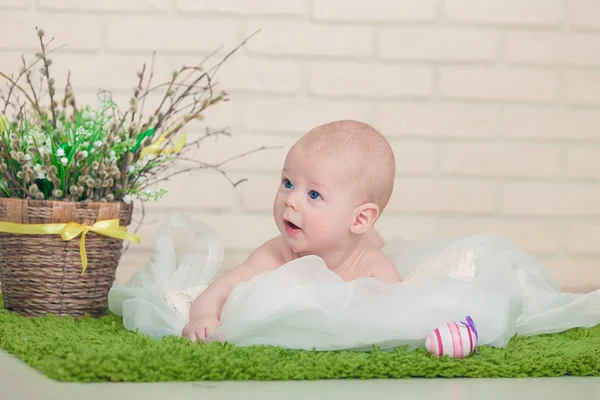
(303, 305)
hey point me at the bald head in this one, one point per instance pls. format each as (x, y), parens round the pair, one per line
(365, 151)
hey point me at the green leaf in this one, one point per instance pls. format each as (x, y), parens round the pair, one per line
(141, 138)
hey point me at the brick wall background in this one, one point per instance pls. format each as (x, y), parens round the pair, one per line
(492, 106)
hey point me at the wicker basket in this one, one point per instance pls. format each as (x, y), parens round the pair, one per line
(41, 274)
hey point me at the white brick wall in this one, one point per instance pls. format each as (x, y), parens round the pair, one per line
(529, 13)
(492, 106)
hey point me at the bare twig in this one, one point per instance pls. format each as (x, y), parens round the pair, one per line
(33, 103)
(10, 92)
(216, 167)
(248, 153)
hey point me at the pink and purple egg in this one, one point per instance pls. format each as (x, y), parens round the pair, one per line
(453, 339)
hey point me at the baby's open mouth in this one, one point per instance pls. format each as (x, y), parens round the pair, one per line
(288, 223)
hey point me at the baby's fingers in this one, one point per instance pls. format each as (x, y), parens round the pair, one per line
(192, 336)
(209, 330)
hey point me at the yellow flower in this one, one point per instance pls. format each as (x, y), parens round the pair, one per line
(154, 148)
(3, 123)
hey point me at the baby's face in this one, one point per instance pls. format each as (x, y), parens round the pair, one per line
(314, 205)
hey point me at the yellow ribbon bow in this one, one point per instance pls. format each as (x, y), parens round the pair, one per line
(154, 148)
(71, 230)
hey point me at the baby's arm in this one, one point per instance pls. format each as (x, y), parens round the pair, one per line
(206, 309)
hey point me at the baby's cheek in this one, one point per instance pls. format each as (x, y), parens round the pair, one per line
(279, 202)
(323, 220)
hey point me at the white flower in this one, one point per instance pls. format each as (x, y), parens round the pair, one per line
(60, 153)
(117, 139)
(98, 143)
(112, 155)
(127, 199)
(40, 175)
(85, 144)
(64, 161)
(89, 114)
(130, 169)
(28, 157)
(84, 153)
(81, 131)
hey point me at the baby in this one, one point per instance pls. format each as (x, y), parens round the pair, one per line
(336, 181)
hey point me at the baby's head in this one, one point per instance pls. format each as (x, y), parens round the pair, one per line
(336, 181)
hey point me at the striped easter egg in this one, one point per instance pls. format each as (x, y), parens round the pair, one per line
(453, 339)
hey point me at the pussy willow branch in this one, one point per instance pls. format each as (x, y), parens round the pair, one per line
(200, 66)
(10, 92)
(67, 87)
(194, 115)
(14, 83)
(188, 108)
(7, 157)
(29, 82)
(188, 146)
(173, 82)
(139, 87)
(216, 167)
(160, 85)
(179, 125)
(22, 91)
(183, 83)
(13, 105)
(204, 165)
(163, 116)
(147, 86)
(50, 86)
(24, 71)
(185, 93)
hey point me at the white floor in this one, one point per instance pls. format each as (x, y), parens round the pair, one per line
(20, 382)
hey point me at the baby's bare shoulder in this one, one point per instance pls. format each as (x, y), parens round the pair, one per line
(381, 267)
(266, 257)
(272, 252)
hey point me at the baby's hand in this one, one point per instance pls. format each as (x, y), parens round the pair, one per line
(200, 328)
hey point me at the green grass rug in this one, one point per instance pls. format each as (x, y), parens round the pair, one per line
(92, 350)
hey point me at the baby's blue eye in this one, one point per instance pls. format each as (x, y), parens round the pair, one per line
(287, 183)
(314, 195)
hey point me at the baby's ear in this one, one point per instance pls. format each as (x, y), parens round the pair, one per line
(365, 216)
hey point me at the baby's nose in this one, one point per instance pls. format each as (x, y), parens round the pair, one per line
(292, 201)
